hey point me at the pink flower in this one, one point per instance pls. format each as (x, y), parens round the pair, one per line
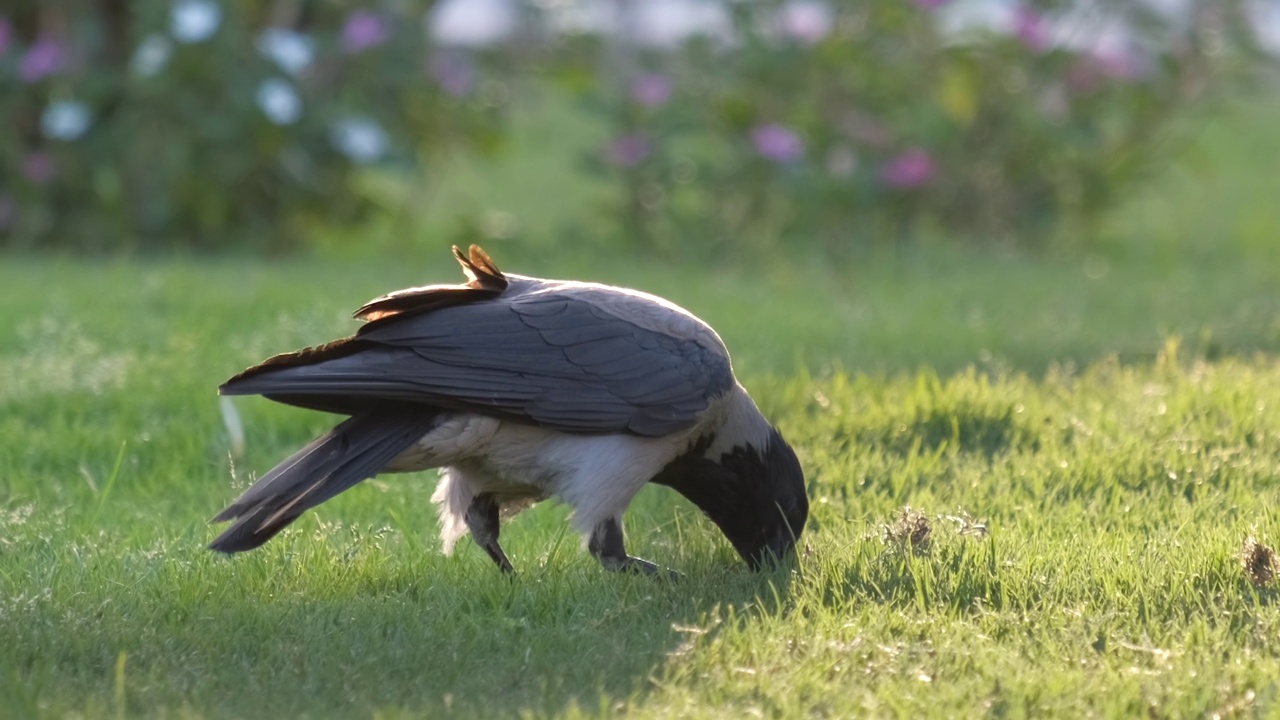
(930, 4)
(629, 150)
(38, 168)
(364, 30)
(6, 35)
(651, 90)
(1032, 29)
(454, 71)
(913, 168)
(777, 143)
(46, 57)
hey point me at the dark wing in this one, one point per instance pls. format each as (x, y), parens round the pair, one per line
(554, 359)
(358, 448)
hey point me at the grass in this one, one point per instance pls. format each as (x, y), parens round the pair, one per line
(1116, 501)
(1091, 502)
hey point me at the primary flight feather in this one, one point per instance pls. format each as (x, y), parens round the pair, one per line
(522, 389)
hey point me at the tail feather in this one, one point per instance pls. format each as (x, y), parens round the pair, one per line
(356, 449)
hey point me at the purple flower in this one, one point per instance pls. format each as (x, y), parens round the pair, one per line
(454, 71)
(777, 143)
(46, 57)
(651, 90)
(1032, 29)
(364, 30)
(930, 4)
(628, 150)
(6, 35)
(38, 167)
(913, 168)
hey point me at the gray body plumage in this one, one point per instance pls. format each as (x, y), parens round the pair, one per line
(520, 389)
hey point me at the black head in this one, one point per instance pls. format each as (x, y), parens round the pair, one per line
(756, 495)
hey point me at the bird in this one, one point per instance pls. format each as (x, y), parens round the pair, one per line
(519, 390)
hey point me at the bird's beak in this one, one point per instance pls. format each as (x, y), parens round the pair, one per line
(776, 549)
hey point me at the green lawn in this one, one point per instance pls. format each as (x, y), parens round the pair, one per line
(1089, 486)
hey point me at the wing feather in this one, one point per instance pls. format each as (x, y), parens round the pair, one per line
(537, 352)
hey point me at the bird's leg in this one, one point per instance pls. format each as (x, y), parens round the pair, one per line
(606, 545)
(482, 520)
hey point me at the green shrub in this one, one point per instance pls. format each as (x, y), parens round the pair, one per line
(204, 124)
(844, 122)
(208, 123)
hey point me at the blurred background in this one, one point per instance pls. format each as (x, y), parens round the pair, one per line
(682, 128)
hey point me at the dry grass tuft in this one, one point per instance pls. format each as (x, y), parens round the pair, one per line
(967, 526)
(1258, 561)
(911, 529)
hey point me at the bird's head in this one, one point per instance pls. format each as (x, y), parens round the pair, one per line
(755, 494)
(770, 507)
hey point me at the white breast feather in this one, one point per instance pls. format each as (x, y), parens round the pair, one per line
(596, 475)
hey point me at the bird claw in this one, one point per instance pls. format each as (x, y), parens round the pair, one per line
(641, 567)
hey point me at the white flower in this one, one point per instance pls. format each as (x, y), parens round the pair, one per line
(966, 21)
(806, 20)
(193, 21)
(361, 139)
(65, 120)
(279, 101)
(1265, 18)
(152, 55)
(472, 23)
(667, 23)
(289, 49)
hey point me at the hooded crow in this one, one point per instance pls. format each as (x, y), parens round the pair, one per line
(523, 389)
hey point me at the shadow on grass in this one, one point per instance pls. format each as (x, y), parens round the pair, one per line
(259, 639)
(349, 622)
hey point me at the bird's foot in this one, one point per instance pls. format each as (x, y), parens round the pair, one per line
(482, 521)
(606, 544)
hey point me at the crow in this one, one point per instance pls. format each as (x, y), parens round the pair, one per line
(523, 389)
